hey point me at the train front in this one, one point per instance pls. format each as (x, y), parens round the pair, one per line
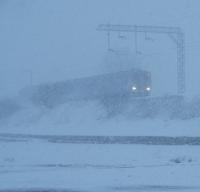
(140, 83)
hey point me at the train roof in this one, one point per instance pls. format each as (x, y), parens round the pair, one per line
(130, 71)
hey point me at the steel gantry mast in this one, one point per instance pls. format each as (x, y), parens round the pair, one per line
(175, 33)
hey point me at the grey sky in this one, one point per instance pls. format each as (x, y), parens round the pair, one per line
(56, 39)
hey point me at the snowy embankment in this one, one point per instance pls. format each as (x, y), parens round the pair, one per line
(41, 112)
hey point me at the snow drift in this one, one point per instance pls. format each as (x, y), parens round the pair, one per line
(56, 114)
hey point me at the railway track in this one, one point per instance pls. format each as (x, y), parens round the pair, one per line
(75, 139)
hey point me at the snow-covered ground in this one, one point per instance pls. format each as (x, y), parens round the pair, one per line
(94, 118)
(94, 167)
(99, 167)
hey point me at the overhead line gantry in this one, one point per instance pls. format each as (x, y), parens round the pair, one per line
(175, 34)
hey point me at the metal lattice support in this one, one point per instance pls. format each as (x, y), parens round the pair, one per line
(181, 63)
(175, 33)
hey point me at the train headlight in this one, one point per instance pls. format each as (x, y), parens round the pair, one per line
(148, 89)
(134, 88)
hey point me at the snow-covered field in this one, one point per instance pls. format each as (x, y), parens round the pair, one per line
(95, 118)
(99, 167)
(37, 164)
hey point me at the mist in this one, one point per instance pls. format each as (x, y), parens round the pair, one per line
(84, 111)
(53, 41)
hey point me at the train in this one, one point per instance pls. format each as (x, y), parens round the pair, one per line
(130, 83)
